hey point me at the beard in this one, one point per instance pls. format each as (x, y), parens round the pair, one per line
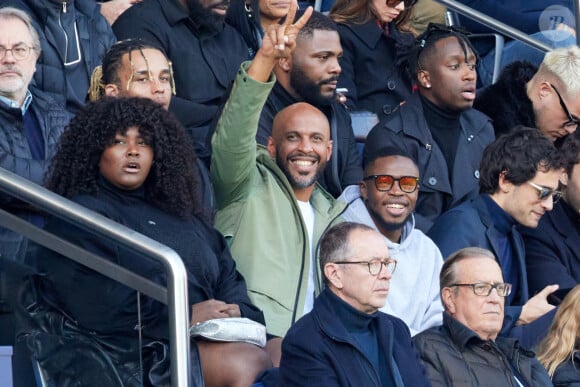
(309, 90)
(294, 181)
(204, 17)
(381, 223)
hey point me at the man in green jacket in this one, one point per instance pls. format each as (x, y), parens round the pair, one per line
(270, 207)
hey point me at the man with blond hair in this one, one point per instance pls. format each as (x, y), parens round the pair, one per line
(546, 98)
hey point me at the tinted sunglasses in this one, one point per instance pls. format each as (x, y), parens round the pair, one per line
(385, 183)
(394, 3)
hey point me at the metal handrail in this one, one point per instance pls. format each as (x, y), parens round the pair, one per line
(175, 296)
(497, 25)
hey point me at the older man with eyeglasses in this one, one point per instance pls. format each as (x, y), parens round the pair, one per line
(31, 121)
(518, 184)
(466, 350)
(345, 340)
(385, 200)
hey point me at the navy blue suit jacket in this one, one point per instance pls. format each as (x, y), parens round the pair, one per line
(318, 351)
(553, 250)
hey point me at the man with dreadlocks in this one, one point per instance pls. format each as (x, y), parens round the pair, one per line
(135, 68)
(438, 126)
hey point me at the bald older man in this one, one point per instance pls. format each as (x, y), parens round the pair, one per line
(270, 208)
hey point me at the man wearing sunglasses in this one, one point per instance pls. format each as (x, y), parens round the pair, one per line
(546, 98)
(385, 200)
(466, 350)
(345, 340)
(518, 184)
(553, 248)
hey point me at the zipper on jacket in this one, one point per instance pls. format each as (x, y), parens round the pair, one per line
(64, 7)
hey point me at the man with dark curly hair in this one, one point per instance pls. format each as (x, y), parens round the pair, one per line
(518, 184)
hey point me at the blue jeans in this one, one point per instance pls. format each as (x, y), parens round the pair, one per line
(516, 50)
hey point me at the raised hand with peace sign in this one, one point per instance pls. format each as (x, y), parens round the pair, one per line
(278, 42)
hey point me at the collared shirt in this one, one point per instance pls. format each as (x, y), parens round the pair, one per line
(15, 105)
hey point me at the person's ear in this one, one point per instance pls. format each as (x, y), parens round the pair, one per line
(448, 299)
(544, 90)
(363, 190)
(271, 147)
(333, 274)
(424, 79)
(504, 185)
(285, 64)
(329, 150)
(564, 178)
(111, 90)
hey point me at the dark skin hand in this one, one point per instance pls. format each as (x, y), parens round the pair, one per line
(210, 309)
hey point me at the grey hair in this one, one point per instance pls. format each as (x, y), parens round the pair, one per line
(449, 276)
(335, 245)
(15, 13)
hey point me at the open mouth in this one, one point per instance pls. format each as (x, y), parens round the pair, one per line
(132, 167)
(468, 93)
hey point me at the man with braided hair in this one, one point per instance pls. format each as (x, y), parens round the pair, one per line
(135, 68)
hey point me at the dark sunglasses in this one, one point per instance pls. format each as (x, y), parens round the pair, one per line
(572, 121)
(385, 183)
(394, 3)
(544, 193)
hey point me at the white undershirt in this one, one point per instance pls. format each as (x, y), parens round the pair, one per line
(307, 212)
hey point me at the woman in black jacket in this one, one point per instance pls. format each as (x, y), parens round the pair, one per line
(130, 160)
(371, 34)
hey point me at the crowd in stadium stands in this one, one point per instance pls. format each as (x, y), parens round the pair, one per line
(439, 255)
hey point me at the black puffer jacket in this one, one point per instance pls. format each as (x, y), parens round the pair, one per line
(506, 101)
(16, 157)
(454, 355)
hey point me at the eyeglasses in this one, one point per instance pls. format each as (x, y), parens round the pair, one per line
(484, 289)
(394, 3)
(19, 52)
(375, 265)
(544, 192)
(385, 183)
(572, 121)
